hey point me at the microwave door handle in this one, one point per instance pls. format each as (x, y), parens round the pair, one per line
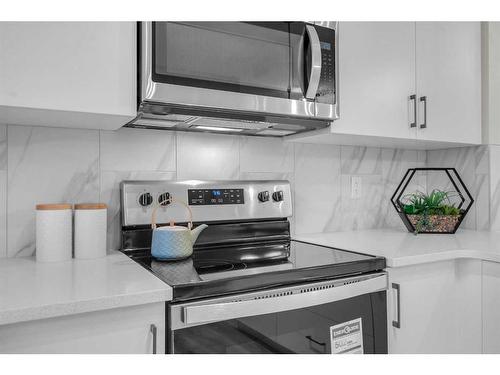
(213, 312)
(315, 70)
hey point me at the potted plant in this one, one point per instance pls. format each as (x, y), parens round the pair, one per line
(432, 212)
(441, 211)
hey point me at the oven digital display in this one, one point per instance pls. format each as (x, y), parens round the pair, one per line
(204, 197)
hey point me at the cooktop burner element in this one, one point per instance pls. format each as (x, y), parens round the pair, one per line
(209, 266)
(246, 247)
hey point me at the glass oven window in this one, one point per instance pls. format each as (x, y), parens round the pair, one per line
(300, 331)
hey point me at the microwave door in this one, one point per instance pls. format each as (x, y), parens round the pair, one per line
(239, 57)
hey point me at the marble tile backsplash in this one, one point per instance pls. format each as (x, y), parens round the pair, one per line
(40, 164)
(494, 187)
(473, 165)
(46, 165)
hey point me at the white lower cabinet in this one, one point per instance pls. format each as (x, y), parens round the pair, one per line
(439, 307)
(116, 331)
(491, 307)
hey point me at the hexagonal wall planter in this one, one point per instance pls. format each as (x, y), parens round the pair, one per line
(438, 212)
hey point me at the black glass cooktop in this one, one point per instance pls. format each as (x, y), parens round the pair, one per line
(244, 268)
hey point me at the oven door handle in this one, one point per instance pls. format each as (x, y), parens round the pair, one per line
(315, 68)
(213, 312)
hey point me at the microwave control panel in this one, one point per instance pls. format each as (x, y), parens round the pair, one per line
(326, 89)
(204, 197)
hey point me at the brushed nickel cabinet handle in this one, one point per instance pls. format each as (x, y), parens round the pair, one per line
(423, 99)
(397, 323)
(413, 98)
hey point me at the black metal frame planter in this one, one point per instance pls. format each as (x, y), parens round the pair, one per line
(433, 223)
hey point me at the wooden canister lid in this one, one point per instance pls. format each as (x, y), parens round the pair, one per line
(90, 206)
(54, 206)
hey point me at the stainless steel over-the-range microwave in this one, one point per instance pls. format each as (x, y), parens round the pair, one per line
(252, 78)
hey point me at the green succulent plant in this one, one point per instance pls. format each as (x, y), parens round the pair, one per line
(438, 202)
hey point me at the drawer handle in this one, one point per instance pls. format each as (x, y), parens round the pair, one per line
(154, 331)
(397, 323)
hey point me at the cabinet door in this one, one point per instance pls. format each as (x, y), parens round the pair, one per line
(377, 77)
(449, 77)
(440, 308)
(491, 307)
(71, 74)
(116, 331)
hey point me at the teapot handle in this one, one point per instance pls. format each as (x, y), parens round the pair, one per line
(169, 201)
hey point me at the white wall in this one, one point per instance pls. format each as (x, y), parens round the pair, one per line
(61, 165)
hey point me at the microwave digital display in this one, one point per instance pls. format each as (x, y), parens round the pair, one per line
(325, 45)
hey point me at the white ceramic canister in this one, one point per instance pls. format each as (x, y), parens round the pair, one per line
(90, 230)
(54, 231)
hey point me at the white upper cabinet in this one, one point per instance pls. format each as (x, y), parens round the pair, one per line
(449, 78)
(377, 77)
(74, 74)
(407, 84)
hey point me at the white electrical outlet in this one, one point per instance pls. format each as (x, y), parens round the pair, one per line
(356, 186)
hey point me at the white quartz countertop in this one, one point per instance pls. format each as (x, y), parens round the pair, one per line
(31, 290)
(401, 248)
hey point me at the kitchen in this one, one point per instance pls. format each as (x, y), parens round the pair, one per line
(289, 140)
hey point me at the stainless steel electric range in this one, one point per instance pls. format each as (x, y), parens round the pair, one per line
(249, 287)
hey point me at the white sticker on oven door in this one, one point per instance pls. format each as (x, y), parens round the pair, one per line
(347, 337)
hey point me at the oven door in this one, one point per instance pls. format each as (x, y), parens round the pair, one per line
(310, 318)
(283, 68)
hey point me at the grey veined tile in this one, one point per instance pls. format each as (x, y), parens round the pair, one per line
(495, 188)
(367, 211)
(462, 158)
(357, 160)
(207, 156)
(258, 154)
(137, 150)
(317, 188)
(482, 202)
(47, 165)
(395, 163)
(482, 159)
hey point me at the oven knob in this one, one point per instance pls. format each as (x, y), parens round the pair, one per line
(145, 199)
(263, 196)
(163, 199)
(278, 196)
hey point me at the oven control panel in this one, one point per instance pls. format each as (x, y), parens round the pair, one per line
(203, 197)
(208, 201)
